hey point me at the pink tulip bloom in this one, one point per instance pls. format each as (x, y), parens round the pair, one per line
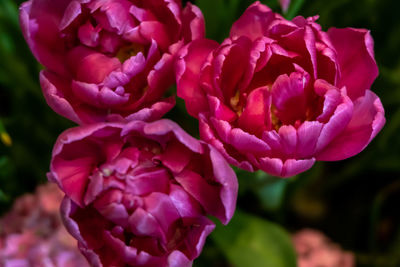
(107, 57)
(138, 194)
(277, 95)
(314, 249)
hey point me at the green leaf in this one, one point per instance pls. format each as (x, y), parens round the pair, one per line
(220, 15)
(252, 241)
(272, 194)
(294, 9)
(3, 197)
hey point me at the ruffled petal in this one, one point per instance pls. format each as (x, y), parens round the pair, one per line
(355, 53)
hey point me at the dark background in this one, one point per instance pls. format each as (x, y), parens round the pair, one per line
(356, 202)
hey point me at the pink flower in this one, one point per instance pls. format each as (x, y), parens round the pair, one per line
(30, 249)
(31, 234)
(284, 5)
(37, 212)
(314, 249)
(278, 95)
(107, 57)
(138, 193)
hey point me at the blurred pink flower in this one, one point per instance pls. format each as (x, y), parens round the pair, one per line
(284, 5)
(107, 57)
(314, 249)
(278, 95)
(138, 194)
(37, 212)
(32, 234)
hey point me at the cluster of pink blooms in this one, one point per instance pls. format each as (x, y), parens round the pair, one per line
(276, 95)
(316, 250)
(32, 234)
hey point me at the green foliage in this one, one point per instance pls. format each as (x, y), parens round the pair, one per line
(251, 241)
(24, 115)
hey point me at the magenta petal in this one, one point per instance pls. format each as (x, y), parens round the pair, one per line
(192, 22)
(91, 66)
(292, 167)
(283, 142)
(175, 157)
(219, 110)
(162, 127)
(288, 136)
(151, 181)
(40, 29)
(178, 259)
(74, 178)
(154, 30)
(226, 177)
(72, 11)
(272, 166)
(67, 208)
(368, 119)
(186, 205)
(87, 92)
(109, 97)
(336, 124)
(188, 68)
(355, 51)
(143, 223)
(205, 193)
(207, 134)
(332, 98)
(89, 35)
(242, 141)
(161, 77)
(256, 114)
(253, 23)
(54, 96)
(155, 112)
(288, 96)
(161, 207)
(307, 137)
(131, 67)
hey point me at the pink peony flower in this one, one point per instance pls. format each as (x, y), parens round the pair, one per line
(32, 234)
(314, 249)
(107, 57)
(278, 95)
(138, 194)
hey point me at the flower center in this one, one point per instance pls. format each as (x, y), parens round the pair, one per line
(129, 51)
(234, 101)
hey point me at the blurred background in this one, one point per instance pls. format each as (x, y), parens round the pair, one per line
(354, 202)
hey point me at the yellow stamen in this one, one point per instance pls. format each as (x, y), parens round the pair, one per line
(234, 101)
(275, 121)
(6, 139)
(129, 51)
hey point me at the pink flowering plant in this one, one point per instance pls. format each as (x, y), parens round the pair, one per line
(138, 194)
(173, 111)
(106, 58)
(314, 249)
(32, 234)
(300, 95)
